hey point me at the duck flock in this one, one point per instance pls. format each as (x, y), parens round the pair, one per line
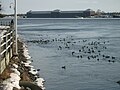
(81, 48)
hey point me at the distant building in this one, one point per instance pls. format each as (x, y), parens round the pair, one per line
(60, 14)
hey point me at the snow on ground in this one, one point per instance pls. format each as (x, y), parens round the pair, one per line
(15, 66)
(38, 81)
(26, 54)
(15, 71)
(4, 27)
(13, 81)
(27, 64)
(33, 71)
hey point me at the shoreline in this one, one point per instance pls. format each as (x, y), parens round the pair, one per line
(24, 70)
(29, 74)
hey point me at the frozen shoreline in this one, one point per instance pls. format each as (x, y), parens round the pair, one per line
(21, 70)
(39, 81)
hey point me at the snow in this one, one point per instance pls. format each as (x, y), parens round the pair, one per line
(14, 79)
(15, 66)
(33, 71)
(27, 64)
(15, 71)
(11, 82)
(9, 86)
(26, 54)
(4, 27)
(40, 82)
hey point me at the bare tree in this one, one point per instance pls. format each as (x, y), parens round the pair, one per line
(0, 6)
(1, 15)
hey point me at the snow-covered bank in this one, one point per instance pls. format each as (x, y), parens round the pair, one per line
(34, 72)
(14, 79)
(40, 82)
(4, 27)
(20, 70)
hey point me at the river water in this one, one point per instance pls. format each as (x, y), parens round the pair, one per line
(74, 54)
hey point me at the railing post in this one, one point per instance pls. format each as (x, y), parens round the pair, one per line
(6, 50)
(16, 26)
(0, 56)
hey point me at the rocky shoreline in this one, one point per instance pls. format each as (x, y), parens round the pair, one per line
(26, 71)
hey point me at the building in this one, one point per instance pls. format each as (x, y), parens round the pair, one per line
(60, 14)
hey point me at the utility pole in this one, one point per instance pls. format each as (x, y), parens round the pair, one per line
(15, 27)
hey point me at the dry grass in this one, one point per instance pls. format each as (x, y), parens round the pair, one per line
(5, 74)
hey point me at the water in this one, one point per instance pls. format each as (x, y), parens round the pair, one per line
(70, 35)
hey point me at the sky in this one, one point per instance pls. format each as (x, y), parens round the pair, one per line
(36, 5)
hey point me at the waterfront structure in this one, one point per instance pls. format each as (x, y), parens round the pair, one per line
(60, 14)
(6, 45)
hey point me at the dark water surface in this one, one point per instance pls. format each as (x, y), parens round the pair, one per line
(95, 63)
(70, 35)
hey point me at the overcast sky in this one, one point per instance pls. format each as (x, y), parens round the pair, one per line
(26, 5)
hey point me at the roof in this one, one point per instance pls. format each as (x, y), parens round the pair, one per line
(71, 11)
(39, 12)
(49, 12)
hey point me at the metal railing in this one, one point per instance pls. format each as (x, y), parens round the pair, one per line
(6, 46)
(6, 40)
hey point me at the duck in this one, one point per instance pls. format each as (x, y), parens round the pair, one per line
(63, 67)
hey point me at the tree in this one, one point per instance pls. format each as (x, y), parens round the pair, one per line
(0, 6)
(1, 15)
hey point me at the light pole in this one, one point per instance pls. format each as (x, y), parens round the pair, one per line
(15, 27)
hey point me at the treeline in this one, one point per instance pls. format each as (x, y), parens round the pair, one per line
(2, 15)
